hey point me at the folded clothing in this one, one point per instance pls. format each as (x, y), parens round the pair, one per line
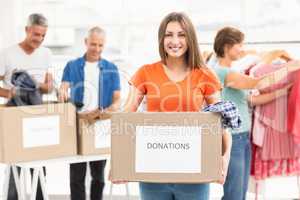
(229, 112)
(27, 91)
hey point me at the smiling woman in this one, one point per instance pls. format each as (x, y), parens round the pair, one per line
(180, 82)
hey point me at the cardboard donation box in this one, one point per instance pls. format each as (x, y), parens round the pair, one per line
(37, 132)
(94, 138)
(166, 147)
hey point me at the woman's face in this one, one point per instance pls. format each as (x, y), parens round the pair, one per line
(175, 44)
(234, 52)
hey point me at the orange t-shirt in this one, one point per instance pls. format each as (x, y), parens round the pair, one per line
(165, 95)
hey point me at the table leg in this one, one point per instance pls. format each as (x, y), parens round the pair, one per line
(6, 182)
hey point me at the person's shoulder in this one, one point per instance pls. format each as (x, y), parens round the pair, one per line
(206, 72)
(212, 61)
(74, 62)
(152, 67)
(223, 70)
(108, 64)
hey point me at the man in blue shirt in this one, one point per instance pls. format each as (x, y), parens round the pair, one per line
(95, 88)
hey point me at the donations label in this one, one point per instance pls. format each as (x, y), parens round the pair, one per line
(168, 149)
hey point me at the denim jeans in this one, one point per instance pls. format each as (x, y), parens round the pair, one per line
(236, 184)
(167, 191)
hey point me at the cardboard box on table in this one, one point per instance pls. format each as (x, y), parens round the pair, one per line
(166, 147)
(94, 138)
(38, 132)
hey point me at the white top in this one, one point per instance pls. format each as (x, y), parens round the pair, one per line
(91, 86)
(15, 58)
(244, 63)
(239, 65)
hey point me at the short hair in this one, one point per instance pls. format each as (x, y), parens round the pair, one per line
(96, 29)
(227, 36)
(193, 55)
(37, 19)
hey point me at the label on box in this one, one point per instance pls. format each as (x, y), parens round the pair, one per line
(102, 130)
(168, 149)
(41, 131)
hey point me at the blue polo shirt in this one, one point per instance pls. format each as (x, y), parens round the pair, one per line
(109, 81)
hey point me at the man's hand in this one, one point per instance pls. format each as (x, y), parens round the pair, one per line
(11, 93)
(63, 92)
(62, 95)
(90, 116)
(47, 86)
(94, 115)
(7, 93)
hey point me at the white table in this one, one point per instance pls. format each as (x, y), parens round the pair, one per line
(38, 172)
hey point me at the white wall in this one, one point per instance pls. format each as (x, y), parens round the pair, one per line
(9, 21)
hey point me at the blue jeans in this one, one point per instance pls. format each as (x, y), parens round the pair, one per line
(236, 184)
(168, 191)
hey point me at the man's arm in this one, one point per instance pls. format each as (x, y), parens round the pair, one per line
(96, 114)
(65, 84)
(6, 93)
(115, 106)
(47, 86)
(93, 115)
(63, 91)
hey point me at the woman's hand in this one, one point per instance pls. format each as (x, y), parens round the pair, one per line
(225, 163)
(283, 91)
(115, 181)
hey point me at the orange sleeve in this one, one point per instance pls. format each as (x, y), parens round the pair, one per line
(211, 83)
(138, 80)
